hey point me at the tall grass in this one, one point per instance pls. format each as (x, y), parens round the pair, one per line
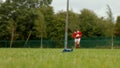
(55, 58)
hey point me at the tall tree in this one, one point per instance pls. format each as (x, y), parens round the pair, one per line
(12, 28)
(110, 17)
(111, 21)
(40, 26)
(48, 17)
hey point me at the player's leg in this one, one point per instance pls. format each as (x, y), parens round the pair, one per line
(75, 42)
(78, 43)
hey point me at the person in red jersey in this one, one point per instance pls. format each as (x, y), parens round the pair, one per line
(77, 36)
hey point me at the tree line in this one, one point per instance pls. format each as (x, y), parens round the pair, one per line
(36, 20)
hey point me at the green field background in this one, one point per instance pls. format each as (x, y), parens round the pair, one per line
(55, 58)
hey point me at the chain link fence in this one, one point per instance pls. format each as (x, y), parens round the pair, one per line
(86, 42)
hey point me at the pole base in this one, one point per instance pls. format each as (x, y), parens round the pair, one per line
(67, 50)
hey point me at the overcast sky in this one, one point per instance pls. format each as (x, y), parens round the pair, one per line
(98, 6)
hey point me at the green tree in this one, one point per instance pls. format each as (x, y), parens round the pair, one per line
(104, 27)
(73, 21)
(117, 27)
(12, 28)
(6, 13)
(89, 23)
(49, 18)
(111, 21)
(40, 26)
(57, 33)
(23, 13)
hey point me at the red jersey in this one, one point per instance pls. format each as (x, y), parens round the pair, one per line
(77, 34)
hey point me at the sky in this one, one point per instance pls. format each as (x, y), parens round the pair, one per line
(98, 6)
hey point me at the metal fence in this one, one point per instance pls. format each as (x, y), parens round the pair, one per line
(86, 42)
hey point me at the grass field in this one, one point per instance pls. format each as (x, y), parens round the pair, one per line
(54, 58)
